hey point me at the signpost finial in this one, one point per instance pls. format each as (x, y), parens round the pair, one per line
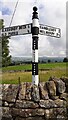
(35, 8)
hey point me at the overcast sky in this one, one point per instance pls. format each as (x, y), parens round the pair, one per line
(51, 12)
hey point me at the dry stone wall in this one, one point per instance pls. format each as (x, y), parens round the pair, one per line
(25, 101)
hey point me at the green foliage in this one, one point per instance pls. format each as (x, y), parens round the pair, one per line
(49, 61)
(65, 59)
(1, 23)
(6, 58)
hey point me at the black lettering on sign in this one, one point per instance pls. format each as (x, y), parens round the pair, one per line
(5, 29)
(42, 31)
(5, 34)
(40, 26)
(28, 31)
(46, 28)
(2, 34)
(24, 26)
(12, 33)
(59, 30)
(20, 27)
(49, 33)
(28, 26)
(53, 29)
(13, 28)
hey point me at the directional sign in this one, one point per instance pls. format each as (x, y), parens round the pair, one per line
(49, 31)
(26, 29)
(16, 30)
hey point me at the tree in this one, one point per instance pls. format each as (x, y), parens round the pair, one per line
(6, 58)
(1, 23)
(49, 61)
(0, 44)
(65, 59)
(55, 61)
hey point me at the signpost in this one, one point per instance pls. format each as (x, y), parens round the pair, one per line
(35, 28)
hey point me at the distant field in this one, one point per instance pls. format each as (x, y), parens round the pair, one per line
(45, 71)
(29, 66)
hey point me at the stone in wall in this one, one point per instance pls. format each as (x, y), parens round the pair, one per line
(60, 113)
(35, 93)
(43, 91)
(9, 93)
(0, 103)
(0, 95)
(54, 113)
(47, 104)
(65, 80)
(49, 114)
(28, 91)
(51, 88)
(30, 118)
(63, 96)
(60, 85)
(3, 91)
(1, 112)
(22, 91)
(27, 112)
(0, 92)
(60, 103)
(7, 104)
(6, 115)
(25, 104)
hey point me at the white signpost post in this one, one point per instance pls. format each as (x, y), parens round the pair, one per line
(35, 28)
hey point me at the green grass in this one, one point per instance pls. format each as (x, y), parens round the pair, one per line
(50, 69)
(13, 78)
(52, 65)
(17, 67)
(29, 66)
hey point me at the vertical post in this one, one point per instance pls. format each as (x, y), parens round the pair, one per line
(35, 32)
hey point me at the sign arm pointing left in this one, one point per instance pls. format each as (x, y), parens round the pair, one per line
(16, 30)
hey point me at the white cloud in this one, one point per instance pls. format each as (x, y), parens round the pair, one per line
(51, 12)
(0, 15)
(62, 53)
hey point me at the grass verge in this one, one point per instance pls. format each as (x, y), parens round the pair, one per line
(45, 72)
